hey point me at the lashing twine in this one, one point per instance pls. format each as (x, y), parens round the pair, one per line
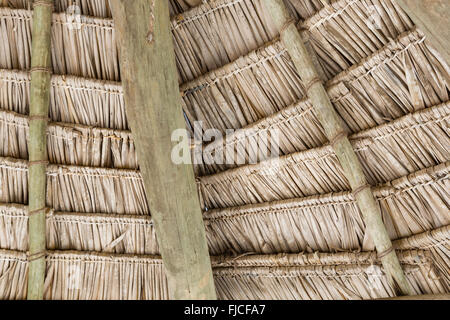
(383, 254)
(36, 256)
(41, 69)
(360, 189)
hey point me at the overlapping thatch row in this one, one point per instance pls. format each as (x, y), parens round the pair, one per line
(327, 223)
(265, 82)
(203, 42)
(407, 75)
(13, 275)
(292, 129)
(101, 233)
(349, 30)
(77, 189)
(85, 47)
(342, 33)
(80, 275)
(96, 190)
(374, 100)
(332, 222)
(70, 144)
(80, 231)
(72, 99)
(437, 242)
(387, 152)
(98, 8)
(13, 181)
(87, 276)
(218, 32)
(355, 276)
(415, 142)
(13, 227)
(360, 108)
(251, 88)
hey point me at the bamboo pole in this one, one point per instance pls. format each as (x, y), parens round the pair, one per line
(153, 106)
(37, 144)
(336, 133)
(432, 17)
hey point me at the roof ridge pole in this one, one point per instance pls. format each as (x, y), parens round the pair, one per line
(153, 106)
(37, 144)
(336, 133)
(433, 19)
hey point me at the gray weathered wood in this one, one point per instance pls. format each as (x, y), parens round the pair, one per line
(335, 131)
(433, 18)
(37, 144)
(153, 106)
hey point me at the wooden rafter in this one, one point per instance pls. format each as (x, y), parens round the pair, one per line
(153, 106)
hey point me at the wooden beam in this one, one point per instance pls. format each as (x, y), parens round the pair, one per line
(336, 133)
(432, 17)
(153, 106)
(37, 144)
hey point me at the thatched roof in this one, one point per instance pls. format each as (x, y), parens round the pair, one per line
(285, 228)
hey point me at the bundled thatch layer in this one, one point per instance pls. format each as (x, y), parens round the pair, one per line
(99, 8)
(407, 145)
(77, 189)
(79, 275)
(202, 37)
(333, 222)
(87, 276)
(407, 75)
(13, 181)
(437, 242)
(70, 144)
(80, 231)
(349, 30)
(327, 223)
(265, 82)
(387, 152)
(85, 48)
(218, 32)
(251, 88)
(13, 227)
(361, 106)
(227, 29)
(72, 99)
(363, 95)
(83, 189)
(342, 276)
(13, 275)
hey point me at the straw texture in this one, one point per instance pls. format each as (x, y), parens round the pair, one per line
(387, 152)
(283, 228)
(79, 275)
(329, 223)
